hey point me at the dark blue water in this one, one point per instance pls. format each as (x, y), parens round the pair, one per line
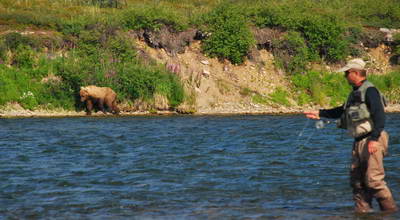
(180, 167)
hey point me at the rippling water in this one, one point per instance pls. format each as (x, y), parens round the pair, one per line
(180, 167)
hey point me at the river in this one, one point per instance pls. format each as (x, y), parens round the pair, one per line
(180, 167)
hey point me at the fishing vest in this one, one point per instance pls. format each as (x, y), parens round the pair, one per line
(356, 117)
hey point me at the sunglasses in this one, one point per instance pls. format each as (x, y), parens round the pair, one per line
(346, 73)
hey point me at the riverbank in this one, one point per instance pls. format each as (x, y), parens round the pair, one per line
(23, 113)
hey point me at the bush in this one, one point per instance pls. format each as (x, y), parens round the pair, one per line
(14, 40)
(8, 85)
(293, 52)
(388, 84)
(59, 95)
(24, 57)
(395, 59)
(16, 85)
(3, 52)
(229, 35)
(275, 16)
(321, 88)
(354, 35)
(19, 85)
(73, 26)
(325, 34)
(100, 54)
(152, 18)
(139, 82)
(384, 13)
(322, 30)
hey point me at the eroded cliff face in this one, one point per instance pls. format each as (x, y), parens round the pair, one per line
(220, 87)
(215, 86)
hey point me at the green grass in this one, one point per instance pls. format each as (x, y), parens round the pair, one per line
(279, 96)
(332, 89)
(321, 88)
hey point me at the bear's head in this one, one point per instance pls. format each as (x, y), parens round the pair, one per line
(84, 93)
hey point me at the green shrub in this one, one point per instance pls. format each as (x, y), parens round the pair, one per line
(322, 30)
(8, 89)
(171, 86)
(17, 86)
(24, 57)
(229, 35)
(139, 82)
(20, 86)
(121, 48)
(293, 52)
(388, 84)
(3, 52)
(321, 88)
(59, 95)
(384, 13)
(14, 40)
(73, 26)
(325, 34)
(100, 54)
(396, 47)
(275, 15)
(152, 17)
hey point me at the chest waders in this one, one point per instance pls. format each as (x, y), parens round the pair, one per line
(356, 117)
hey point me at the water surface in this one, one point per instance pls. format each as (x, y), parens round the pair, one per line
(180, 167)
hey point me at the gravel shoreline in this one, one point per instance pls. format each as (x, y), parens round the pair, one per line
(21, 113)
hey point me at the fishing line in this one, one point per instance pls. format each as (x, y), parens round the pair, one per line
(308, 139)
(302, 130)
(320, 124)
(301, 134)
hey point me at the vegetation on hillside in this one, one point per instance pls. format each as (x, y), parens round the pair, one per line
(86, 42)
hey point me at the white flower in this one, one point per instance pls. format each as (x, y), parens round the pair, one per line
(26, 95)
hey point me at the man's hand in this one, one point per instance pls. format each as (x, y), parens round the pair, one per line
(312, 114)
(372, 146)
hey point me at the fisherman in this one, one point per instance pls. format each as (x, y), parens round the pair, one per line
(363, 116)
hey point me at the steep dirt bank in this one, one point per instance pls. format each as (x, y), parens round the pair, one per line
(220, 87)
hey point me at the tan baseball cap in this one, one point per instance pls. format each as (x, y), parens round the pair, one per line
(358, 64)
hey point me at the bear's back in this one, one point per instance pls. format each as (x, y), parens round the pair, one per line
(98, 92)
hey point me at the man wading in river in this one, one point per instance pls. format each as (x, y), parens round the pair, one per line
(363, 116)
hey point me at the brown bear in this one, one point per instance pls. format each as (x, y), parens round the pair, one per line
(100, 96)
